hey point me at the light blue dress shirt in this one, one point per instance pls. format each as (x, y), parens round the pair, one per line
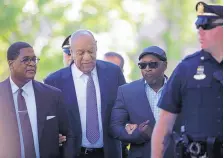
(153, 98)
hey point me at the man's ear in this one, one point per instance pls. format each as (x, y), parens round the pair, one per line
(10, 62)
(165, 65)
(96, 46)
(72, 54)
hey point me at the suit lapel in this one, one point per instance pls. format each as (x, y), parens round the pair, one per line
(70, 94)
(102, 77)
(8, 123)
(145, 106)
(41, 107)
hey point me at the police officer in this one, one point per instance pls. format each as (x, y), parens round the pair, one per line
(195, 89)
(66, 51)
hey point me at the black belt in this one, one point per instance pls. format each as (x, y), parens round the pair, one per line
(90, 150)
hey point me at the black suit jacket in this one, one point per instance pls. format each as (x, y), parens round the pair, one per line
(110, 78)
(49, 102)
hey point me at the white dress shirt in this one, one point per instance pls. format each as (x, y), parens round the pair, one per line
(80, 82)
(153, 98)
(28, 94)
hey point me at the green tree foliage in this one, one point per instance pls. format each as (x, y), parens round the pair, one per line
(49, 22)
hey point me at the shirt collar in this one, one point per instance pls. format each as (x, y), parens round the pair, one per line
(79, 73)
(13, 86)
(27, 88)
(205, 55)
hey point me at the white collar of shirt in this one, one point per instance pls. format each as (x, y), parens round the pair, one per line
(27, 88)
(79, 74)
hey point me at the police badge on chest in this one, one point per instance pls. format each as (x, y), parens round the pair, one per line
(200, 73)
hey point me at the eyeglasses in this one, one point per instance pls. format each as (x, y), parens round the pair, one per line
(151, 65)
(27, 60)
(208, 26)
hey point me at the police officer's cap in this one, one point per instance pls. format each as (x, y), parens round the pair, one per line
(66, 46)
(209, 14)
(154, 50)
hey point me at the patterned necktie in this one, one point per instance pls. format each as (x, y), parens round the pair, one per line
(92, 124)
(26, 127)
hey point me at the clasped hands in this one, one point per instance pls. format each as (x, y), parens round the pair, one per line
(143, 128)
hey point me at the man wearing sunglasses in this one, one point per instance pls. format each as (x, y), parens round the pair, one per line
(135, 111)
(31, 113)
(196, 90)
(66, 51)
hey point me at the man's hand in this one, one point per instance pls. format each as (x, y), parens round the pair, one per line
(61, 139)
(145, 129)
(130, 128)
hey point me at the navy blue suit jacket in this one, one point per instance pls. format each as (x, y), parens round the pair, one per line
(110, 78)
(132, 106)
(49, 102)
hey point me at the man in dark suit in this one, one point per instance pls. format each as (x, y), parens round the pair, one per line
(31, 114)
(118, 60)
(135, 112)
(89, 88)
(115, 58)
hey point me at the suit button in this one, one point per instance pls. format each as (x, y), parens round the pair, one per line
(218, 121)
(219, 109)
(218, 97)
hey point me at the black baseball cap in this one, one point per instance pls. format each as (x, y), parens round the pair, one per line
(154, 50)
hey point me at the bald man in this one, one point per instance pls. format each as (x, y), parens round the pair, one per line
(89, 87)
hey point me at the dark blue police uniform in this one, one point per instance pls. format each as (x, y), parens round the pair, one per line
(195, 89)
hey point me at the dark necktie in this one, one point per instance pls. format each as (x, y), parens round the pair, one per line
(92, 124)
(26, 127)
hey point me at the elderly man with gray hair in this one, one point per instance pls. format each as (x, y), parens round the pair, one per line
(89, 87)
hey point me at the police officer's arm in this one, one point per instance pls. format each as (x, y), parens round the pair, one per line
(170, 104)
(161, 133)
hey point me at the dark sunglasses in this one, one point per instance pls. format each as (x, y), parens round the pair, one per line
(151, 65)
(208, 26)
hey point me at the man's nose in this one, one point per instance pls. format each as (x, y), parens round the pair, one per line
(148, 68)
(86, 56)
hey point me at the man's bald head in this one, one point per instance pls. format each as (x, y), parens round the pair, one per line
(79, 33)
(83, 50)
